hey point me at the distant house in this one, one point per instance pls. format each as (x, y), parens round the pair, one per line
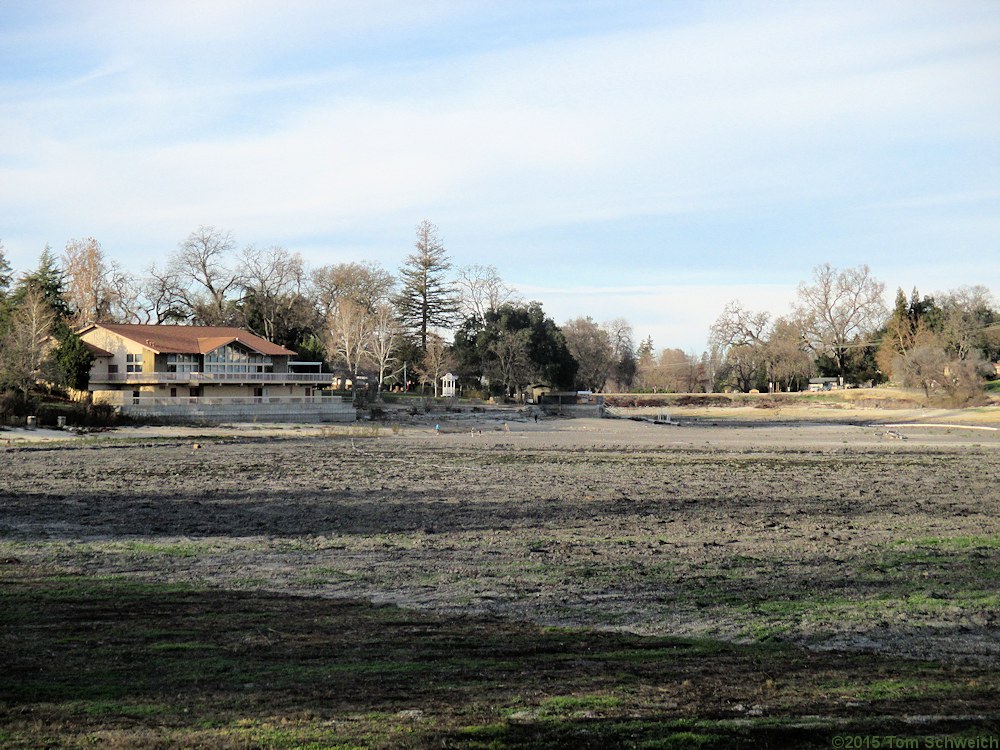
(824, 384)
(533, 392)
(201, 371)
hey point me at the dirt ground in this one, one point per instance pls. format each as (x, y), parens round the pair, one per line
(833, 536)
(282, 585)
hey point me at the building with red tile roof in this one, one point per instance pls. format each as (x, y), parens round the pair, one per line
(183, 370)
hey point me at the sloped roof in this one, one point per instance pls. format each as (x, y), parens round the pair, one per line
(165, 339)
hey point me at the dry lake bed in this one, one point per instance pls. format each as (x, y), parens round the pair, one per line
(571, 583)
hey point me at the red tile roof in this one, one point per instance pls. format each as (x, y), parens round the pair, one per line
(192, 339)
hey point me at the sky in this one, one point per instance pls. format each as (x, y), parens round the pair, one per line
(647, 160)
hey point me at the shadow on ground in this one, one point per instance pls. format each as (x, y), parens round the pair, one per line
(115, 662)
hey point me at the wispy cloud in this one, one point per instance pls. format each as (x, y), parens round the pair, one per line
(306, 122)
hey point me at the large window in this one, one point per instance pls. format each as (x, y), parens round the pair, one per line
(133, 363)
(182, 363)
(236, 360)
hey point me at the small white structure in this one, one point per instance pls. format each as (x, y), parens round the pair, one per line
(825, 384)
(449, 383)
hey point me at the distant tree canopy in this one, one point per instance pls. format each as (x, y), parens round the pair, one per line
(359, 317)
(485, 346)
(941, 344)
(839, 311)
(592, 348)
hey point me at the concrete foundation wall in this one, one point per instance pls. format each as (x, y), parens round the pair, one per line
(575, 410)
(298, 409)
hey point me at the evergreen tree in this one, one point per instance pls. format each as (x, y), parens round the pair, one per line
(49, 280)
(480, 345)
(5, 279)
(426, 299)
(73, 360)
(5, 274)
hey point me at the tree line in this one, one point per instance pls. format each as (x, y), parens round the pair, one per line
(365, 320)
(840, 327)
(358, 318)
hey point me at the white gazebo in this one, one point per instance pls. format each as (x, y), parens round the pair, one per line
(449, 383)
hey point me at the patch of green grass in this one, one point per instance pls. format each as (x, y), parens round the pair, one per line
(575, 705)
(172, 667)
(953, 542)
(900, 688)
(284, 737)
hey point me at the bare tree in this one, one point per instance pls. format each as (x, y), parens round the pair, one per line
(368, 284)
(932, 368)
(480, 290)
(738, 326)
(743, 366)
(87, 271)
(438, 360)
(348, 334)
(25, 356)
(386, 338)
(591, 347)
(923, 367)
(738, 338)
(130, 303)
(162, 298)
(672, 370)
(964, 378)
(623, 352)
(272, 280)
(786, 360)
(839, 307)
(968, 320)
(202, 266)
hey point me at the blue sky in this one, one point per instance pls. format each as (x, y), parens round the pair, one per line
(651, 160)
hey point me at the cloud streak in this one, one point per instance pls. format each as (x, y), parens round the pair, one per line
(789, 126)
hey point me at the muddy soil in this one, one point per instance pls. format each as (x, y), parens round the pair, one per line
(837, 537)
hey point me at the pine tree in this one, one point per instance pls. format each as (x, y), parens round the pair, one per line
(427, 299)
(48, 279)
(74, 359)
(5, 279)
(5, 274)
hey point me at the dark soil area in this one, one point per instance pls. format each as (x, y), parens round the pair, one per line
(626, 586)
